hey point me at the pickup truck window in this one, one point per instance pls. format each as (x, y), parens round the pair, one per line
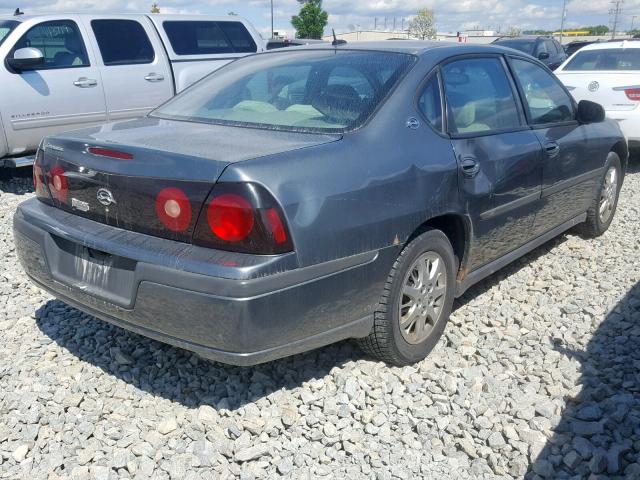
(204, 37)
(6, 26)
(306, 90)
(59, 41)
(122, 42)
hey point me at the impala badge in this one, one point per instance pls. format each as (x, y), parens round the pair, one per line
(105, 197)
(594, 86)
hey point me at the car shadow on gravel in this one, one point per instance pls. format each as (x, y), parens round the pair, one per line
(179, 375)
(16, 181)
(598, 435)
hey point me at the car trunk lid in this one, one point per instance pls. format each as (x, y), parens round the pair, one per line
(606, 88)
(116, 174)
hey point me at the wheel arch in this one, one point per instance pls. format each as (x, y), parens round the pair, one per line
(457, 228)
(622, 150)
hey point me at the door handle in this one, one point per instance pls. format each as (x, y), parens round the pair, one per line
(154, 77)
(84, 82)
(552, 149)
(470, 166)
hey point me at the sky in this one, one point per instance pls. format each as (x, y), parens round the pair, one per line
(451, 15)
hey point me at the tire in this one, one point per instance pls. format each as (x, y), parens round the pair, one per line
(596, 224)
(398, 346)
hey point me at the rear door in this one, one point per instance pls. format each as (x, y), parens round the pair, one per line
(499, 157)
(199, 45)
(134, 68)
(572, 161)
(62, 94)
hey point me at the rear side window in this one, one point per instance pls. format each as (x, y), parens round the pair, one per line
(605, 59)
(430, 103)
(122, 42)
(546, 99)
(59, 41)
(479, 96)
(205, 37)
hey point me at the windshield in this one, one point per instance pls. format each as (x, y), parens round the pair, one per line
(308, 90)
(525, 46)
(6, 26)
(605, 59)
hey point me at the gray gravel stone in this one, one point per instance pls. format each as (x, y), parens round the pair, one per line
(535, 377)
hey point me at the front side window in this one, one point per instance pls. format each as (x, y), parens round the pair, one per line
(205, 37)
(546, 99)
(317, 90)
(6, 27)
(605, 59)
(430, 103)
(122, 42)
(59, 41)
(479, 96)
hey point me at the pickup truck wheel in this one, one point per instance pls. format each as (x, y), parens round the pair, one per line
(416, 302)
(603, 208)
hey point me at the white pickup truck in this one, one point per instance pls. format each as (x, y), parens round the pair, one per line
(67, 71)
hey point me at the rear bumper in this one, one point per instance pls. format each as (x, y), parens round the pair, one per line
(233, 308)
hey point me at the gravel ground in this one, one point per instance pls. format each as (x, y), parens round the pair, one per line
(537, 376)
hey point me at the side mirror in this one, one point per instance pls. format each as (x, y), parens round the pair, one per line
(26, 59)
(543, 55)
(590, 112)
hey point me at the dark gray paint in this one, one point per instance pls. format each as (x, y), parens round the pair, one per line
(351, 202)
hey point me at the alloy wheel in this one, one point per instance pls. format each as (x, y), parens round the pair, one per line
(422, 299)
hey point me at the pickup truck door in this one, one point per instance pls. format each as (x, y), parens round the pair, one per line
(133, 64)
(63, 93)
(499, 157)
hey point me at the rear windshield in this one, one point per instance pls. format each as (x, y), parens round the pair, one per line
(525, 46)
(308, 90)
(205, 37)
(6, 26)
(605, 59)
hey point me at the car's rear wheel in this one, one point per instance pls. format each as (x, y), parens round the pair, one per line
(603, 208)
(416, 302)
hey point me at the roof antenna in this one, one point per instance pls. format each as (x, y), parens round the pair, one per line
(18, 12)
(337, 42)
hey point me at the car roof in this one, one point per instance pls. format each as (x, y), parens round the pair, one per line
(414, 47)
(522, 39)
(610, 45)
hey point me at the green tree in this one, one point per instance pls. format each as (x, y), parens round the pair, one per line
(311, 20)
(233, 14)
(155, 8)
(422, 25)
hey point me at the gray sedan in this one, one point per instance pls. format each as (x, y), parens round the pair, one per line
(301, 197)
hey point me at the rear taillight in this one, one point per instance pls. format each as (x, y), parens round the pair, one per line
(243, 217)
(633, 94)
(174, 209)
(58, 184)
(38, 176)
(230, 217)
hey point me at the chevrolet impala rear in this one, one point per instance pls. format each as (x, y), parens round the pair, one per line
(179, 226)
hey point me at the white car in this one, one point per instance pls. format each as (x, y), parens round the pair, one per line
(63, 71)
(609, 74)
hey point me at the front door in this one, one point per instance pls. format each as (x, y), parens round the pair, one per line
(499, 157)
(64, 93)
(572, 161)
(133, 65)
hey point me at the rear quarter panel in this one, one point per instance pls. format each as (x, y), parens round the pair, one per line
(368, 191)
